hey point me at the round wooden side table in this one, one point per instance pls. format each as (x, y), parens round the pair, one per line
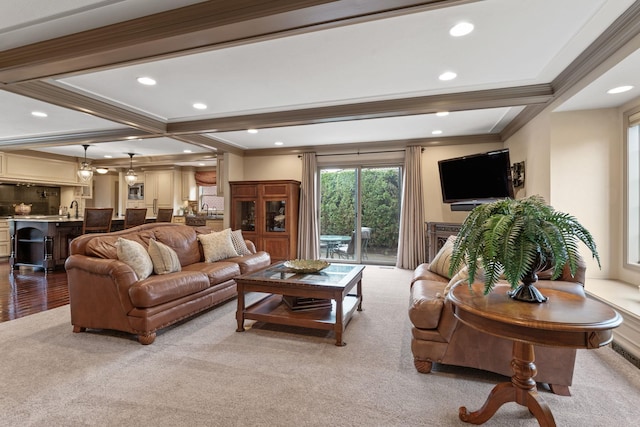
(565, 320)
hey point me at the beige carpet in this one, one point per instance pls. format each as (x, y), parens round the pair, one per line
(203, 373)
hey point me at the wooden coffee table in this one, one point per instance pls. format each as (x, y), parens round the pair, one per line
(565, 320)
(334, 283)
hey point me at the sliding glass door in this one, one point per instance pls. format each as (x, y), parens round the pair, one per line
(360, 214)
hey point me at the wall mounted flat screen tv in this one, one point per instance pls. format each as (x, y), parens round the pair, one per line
(476, 177)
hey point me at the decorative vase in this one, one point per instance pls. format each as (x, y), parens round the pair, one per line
(527, 291)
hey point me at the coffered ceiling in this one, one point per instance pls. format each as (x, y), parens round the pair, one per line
(307, 74)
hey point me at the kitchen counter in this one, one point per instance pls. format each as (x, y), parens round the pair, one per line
(42, 241)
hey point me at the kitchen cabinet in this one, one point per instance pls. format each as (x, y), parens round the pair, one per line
(267, 214)
(214, 224)
(84, 192)
(159, 190)
(189, 187)
(4, 239)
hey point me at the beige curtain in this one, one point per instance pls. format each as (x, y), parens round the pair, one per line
(308, 230)
(411, 244)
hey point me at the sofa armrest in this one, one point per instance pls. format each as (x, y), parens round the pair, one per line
(91, 279)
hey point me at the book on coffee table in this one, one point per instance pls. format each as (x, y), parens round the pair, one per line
(299, 303)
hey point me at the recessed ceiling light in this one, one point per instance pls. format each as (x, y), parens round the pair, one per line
(38, 114)
(252, 130)
(620, 89)
(278, 143)
(200, 106)
(442, 113)
(187, 151)
(436, 132)
(108, 156)
(147, 81)
(461, 29)
(447, 75)
(200, 164)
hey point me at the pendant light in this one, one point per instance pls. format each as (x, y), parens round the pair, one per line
(85, 173)
(131, 176)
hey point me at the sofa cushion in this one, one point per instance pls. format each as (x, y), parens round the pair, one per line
(239, 244)
(104, 246)
(252, 262)
(217, 245)
(164, 259)
(426, 303)
(156, 289)
(442, 261)
(181, 239)
(135, 256)
(216, 272)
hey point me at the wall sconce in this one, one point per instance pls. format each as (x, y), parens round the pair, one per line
(517, 174)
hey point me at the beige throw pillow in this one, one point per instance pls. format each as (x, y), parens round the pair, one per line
(135, 256)
(217, 246)
(441, 262)
(165, 259)
(463, 276)
(239, 244)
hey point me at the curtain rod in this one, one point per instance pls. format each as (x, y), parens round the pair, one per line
(358, 153)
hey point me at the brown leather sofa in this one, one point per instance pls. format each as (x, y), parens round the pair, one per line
(105, 293)
(438, 336)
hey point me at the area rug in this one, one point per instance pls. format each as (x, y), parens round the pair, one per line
(204, 373)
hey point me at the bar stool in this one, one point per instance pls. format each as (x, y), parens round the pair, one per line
(164, 215)
(97, 220)
(134, 217)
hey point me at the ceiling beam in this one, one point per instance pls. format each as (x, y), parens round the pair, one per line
(623, 30)
(491, 98)
(57, 140)
(368, 147)
(63, 97)
(198, 27)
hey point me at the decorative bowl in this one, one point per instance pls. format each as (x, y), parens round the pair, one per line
(306, 265)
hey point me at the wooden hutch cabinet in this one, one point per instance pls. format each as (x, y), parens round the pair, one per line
(267, 214)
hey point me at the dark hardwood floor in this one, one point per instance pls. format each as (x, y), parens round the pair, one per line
(27, 292)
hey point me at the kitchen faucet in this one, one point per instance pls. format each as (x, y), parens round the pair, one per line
(71, 205)
(207, 210)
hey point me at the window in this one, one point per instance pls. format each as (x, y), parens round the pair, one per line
(633, 191)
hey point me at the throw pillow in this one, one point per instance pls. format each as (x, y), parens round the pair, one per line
(217, 245)
(165, 259)
(239, 244)
(441, 262)
(135, 256)
(463, 276)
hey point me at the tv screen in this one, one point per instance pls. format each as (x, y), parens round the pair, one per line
(476, 177)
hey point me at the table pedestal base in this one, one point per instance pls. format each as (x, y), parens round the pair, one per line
(521, 389)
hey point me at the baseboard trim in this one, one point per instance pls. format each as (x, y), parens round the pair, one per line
(624, 353)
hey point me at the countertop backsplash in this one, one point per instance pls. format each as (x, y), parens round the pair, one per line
(43, 200)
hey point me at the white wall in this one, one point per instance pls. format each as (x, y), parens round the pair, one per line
(585, 160)
(272, 167)
(531, 145)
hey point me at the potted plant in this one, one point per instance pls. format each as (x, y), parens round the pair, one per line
(516, 239)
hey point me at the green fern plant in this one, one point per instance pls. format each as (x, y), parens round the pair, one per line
(512, 237)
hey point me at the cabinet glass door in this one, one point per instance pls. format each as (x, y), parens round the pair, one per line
(275, 218)
(245, 218)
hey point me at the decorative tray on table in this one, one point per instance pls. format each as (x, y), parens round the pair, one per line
(306, 265)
